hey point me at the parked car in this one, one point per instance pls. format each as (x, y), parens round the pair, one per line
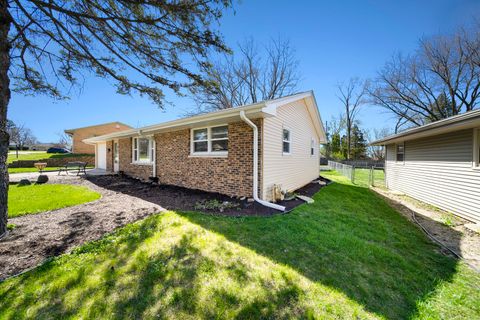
(58, 150)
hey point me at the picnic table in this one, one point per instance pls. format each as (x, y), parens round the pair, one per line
(75, 165)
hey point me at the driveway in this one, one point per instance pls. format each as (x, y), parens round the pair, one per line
(40, 236)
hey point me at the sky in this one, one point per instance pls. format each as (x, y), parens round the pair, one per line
(333, 40)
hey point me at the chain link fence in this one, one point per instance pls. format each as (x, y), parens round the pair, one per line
(366, 177)
(344, 169)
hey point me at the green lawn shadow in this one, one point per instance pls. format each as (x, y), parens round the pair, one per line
(350, 240)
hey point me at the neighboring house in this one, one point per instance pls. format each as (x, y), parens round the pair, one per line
(215, 151)
(79, 134)
(438, 163)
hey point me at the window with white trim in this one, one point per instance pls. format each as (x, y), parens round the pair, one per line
(286, 141)
(400, 152)
(210, 141)
(143, 150)
(476, 148)
(312, 147)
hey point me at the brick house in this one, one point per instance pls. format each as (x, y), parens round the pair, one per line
(79, 134)
(241, 151)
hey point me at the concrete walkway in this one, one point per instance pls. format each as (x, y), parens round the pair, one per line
(53, 175)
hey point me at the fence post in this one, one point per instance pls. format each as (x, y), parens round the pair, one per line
(373, 176)
(370, 177)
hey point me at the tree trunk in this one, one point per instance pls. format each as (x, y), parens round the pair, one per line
(349, 133)
(5, 21)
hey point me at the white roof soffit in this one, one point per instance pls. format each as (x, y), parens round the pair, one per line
(462, 121)
(257, 110)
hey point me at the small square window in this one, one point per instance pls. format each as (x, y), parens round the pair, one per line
(143, 150)
(312, 147)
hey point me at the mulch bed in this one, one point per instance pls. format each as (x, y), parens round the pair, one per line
(38, 237)
(178, 198)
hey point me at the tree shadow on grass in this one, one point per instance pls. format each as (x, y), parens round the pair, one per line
(351, 240)
(120, 277)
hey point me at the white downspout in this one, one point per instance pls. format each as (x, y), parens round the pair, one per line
(255, 165)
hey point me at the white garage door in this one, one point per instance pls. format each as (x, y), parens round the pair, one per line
(101, 156)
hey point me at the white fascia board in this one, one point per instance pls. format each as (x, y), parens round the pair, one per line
(257, 108)
(262, 109)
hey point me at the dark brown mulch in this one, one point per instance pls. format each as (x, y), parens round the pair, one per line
(178, 198)
(38, 237)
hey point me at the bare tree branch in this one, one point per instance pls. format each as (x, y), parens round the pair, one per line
(251, 76)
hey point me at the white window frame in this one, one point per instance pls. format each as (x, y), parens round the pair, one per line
(136, 152)
(312, 147)
(289, 141)
(396, 152)
(209, 152)
(476, 149)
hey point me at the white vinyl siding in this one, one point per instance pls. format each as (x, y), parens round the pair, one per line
(476, 148)
(438, 170)
(300, 167)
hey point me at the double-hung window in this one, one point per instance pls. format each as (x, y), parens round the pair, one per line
(210, 141)
(400, 152)
(143, 150)
(312, 147)
(286, 141)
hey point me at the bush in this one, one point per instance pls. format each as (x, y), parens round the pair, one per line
(42, 179)
(24, 182)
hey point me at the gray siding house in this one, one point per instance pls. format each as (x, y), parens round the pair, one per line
(438, 163)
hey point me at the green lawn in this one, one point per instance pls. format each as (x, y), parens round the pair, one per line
(39, 155)
(347, 256)
(362, 177)
(23, 170)
(38, 198)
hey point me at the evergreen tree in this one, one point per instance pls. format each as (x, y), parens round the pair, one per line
(358, 148)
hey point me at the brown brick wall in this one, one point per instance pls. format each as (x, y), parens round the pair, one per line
(125, 165)
(83, 133)
(232, 175)
(110, 156)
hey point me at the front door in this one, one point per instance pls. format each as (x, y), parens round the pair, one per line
(115, 157)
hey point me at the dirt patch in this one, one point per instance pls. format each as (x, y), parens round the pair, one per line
(37, 237)
(454, 236)
(178, 198)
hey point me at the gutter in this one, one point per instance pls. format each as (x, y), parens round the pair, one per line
(255, 165)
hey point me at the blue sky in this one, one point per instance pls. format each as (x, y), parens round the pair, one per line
(334, 40)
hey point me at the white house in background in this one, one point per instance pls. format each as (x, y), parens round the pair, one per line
(438, 163)
(241, 151)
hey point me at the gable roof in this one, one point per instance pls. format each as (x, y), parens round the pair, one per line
(467, 120)
(70, 131)
(263, 109)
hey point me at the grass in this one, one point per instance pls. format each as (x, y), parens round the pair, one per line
(362, 177)
(38, 198)
(347, 256)
(38, 155)
(24, 170)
